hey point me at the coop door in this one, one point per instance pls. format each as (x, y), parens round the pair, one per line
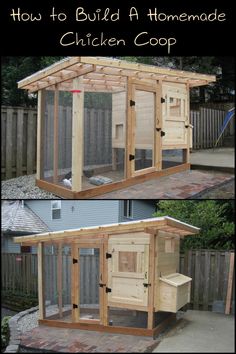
(128, 274)
(142, 136)
(175, 116)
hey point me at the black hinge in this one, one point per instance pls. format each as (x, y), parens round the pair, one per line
(102, 285)
(186, 126)
(158, 129)
(162, 100)
(108, 290)
(146, 285)
(75, 260)
(131, 103)
(75, 306)
(163, 133)
(108, 255)
(131, 157)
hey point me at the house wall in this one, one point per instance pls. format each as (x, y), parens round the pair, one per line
(76, 214)
(8, 246)
(140, 210)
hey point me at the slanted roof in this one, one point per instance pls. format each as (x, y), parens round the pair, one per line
(106, 75)
(17, 218)
(164, 223)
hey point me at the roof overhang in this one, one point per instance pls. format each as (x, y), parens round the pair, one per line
(106, 75)
(164, 223)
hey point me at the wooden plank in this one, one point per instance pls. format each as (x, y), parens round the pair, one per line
(19, 143)
(151, 280)
(129, 130)
(55, 189)
(98, 327)
(59, 279)
(40, 134)
(30, 143)
(158, 126)
(105, 307)
(9, 152)
(206, 280)
(77, 134)
(75, 283)
(230, 284)
(197, 280)
(55, 135)
(41, 283)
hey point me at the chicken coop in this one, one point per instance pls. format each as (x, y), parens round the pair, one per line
(129, 282)
(105, 124)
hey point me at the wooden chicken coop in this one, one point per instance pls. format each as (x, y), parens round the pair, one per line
(82, 153)
(138, 280)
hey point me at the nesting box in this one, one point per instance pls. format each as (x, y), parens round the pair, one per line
(137, 269)
(125, 121)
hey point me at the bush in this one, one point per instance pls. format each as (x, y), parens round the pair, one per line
(5, 332)
(17, 301)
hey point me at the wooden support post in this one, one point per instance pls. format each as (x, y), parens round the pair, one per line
(114, 159)
(105, 281)
(129, 165)
(40, 134)
(55, 135)
(77, 134)
(186, 152)
(75, 283)
(151, 280)
(158, 127)
(59, 279)
(230, 284)
(41, 281)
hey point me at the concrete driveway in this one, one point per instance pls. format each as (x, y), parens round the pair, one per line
(200, 332)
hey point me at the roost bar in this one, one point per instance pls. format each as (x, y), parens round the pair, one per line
(134, 270)
(105, 124)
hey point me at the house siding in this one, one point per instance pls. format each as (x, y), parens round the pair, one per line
(8, 246)
(141, 210)
(76, 214)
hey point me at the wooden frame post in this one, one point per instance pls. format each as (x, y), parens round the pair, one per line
(186, 152)
(75, 283)
(55, 134)
(151, 280)
(41, 296)
(40, 134)
(129, 165)
(158, 128)
(59, 279)
(77, 134)
(230, 284)
(105, 281)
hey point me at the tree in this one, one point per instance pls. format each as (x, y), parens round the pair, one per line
(215, 219)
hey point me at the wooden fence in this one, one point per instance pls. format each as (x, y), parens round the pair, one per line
(208, 269)
(19, 131)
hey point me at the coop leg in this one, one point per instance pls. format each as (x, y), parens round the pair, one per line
(114, 159)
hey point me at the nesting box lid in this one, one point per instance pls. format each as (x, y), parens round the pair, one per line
(175, 279)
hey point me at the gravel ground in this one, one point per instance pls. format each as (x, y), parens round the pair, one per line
(225, 191)
(23, 187)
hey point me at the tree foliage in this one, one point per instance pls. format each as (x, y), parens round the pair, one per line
(215, 219)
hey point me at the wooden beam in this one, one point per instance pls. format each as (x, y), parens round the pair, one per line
(59, 279)
(77, 134)
(40, 135)
(230, 284)
(55, 135)
(41, 295)
(75, 283)
(105, 307)
(151, 280)
(158, 128)
(186, 152)
(129, 129)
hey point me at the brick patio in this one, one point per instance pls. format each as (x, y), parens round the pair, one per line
(80, 341)
(181, 185)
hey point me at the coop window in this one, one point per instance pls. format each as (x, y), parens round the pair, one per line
(170, 245)
(175, 106)
(128, 208)
(56, 209)
(127, 261)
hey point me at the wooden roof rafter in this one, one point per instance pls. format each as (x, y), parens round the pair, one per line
(73, 67)
(164, 223)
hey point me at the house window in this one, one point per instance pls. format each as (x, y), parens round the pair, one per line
(25, 249)
(169, 245)
(56, 209)
(128, 208)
